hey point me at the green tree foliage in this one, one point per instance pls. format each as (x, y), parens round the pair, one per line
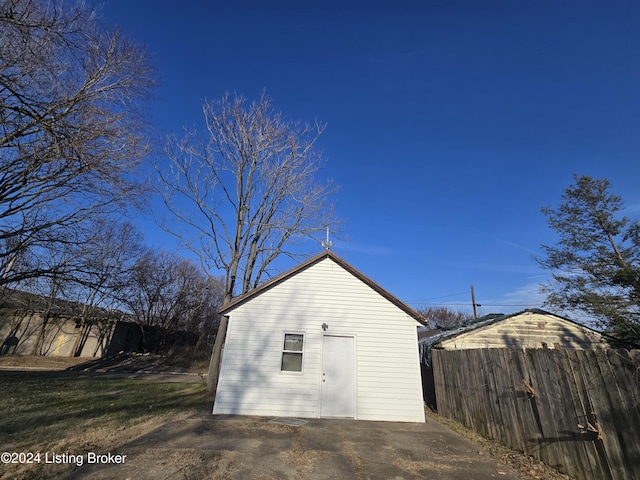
(596, 261)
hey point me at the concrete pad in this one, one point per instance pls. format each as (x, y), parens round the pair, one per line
(237, 447)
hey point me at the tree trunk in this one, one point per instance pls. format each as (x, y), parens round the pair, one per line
(216, 356)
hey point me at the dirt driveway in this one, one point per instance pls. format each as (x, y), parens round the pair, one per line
(204, 446)
(223, 447)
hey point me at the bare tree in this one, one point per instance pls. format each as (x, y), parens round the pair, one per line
(172, 293)
(206, 317)
(58, 259)
(445, 317)
(104, 262)
(71, 129)
(150, 291)
(244, 195)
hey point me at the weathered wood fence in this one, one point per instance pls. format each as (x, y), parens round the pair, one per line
(577, 410)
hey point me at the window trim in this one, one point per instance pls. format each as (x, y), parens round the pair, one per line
(298, 352)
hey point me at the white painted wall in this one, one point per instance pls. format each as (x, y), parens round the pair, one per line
(388, 383)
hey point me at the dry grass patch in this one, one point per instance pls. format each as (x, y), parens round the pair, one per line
(169, 463)
(417, 468)
(350, 453)
(40, 362)
(526, 465)
(44, 412)
(300, 456)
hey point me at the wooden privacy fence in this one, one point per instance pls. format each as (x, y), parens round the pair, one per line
(577, 410)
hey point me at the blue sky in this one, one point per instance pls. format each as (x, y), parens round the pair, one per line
(449, 123)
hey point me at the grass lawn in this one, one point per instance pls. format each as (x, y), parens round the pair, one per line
(45, 412)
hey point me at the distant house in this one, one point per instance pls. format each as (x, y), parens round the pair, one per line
(35, 325)
(532, 328)
(321, 340)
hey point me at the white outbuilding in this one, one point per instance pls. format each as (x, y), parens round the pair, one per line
(321, 340)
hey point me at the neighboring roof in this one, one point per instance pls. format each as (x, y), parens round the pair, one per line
(435, 336)
(31, 302)
(310, 262)
(445, 334)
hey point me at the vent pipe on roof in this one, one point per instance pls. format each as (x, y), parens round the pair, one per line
(327, 243)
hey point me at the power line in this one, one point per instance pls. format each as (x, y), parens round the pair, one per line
(435, 298)
(482, 304)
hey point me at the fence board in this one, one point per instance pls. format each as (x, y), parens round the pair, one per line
(597, 416)
(626, 397)
(496, 421)
(439, 385)
(608, 406)
(530, 434)
(535, 400)
(582, 454)
(548, 409)
(508, 382)
(587, 455)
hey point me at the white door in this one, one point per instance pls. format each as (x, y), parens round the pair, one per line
(337, 387)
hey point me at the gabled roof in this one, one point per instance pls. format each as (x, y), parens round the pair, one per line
(310, 262)
(434, 336)
(492, 318)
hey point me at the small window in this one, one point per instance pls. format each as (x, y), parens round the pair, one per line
(292, 352)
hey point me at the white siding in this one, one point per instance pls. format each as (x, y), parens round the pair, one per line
(388, 384)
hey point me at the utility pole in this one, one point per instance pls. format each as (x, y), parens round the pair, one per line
(473, 302)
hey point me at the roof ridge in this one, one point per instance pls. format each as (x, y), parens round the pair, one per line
(312, 261)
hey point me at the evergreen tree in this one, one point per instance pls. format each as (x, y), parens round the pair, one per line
(596, 261)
